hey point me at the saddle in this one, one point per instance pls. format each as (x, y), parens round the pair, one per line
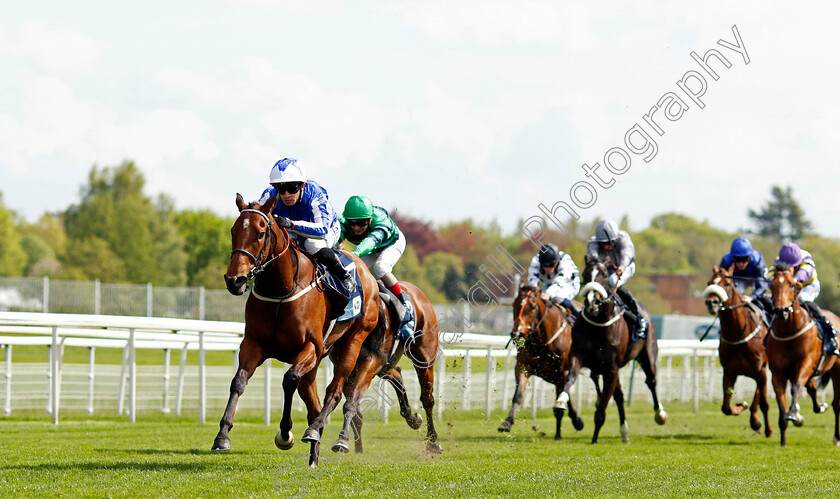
(343, 300)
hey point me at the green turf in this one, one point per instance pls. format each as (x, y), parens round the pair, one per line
(703, 455)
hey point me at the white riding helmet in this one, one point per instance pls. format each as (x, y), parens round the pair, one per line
(607, 231)
(287, 170)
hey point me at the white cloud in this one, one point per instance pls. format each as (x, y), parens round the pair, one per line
(56, 49)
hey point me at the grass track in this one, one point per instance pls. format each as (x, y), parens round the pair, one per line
(703, 455)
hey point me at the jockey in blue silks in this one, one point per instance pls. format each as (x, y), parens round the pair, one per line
(304, 209)
(748, 270)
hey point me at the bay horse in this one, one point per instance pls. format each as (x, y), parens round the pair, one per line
(542, 332)
(421, 349)
(287, 317)
(741, 349)
(795, 353)
(601, 342)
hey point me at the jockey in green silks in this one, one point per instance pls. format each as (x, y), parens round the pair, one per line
(380, 244)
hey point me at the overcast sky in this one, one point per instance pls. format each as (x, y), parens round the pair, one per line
(445, 110)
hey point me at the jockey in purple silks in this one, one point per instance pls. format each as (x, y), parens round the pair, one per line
(805, 273)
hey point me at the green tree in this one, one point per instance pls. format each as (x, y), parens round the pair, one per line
(137, 232)
(781, 218)
(207, 243)
(93, 258)
(12, 256)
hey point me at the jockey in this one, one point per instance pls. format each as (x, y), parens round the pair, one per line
(559, 276)
(304, 209)
(749, 270)
(609, 240)
(805, 273)
(379, 243)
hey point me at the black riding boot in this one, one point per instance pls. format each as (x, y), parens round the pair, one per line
(633, 315)
(765, 304)
(568, 305)
(328, 257)
(830, 340)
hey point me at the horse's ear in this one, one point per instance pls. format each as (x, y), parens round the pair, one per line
(730, 269)
(240, 202)
(269, 205)
(715, 269)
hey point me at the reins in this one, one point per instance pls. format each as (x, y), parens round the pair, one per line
(727, 308)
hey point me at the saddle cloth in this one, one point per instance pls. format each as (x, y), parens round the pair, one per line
(350, 303)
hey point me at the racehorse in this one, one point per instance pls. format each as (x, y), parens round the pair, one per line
(543, 335)
(287, 317)
(601, 342)
(795, 353)
(741, 349)
(421, 349)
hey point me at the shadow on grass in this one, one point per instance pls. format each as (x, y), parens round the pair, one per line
(189, 452)
(116, 466)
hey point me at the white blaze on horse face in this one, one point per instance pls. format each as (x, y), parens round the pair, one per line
(246, 223)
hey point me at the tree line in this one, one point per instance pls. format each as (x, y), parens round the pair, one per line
(116, 233)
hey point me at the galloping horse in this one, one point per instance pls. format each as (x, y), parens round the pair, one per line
(741, 349)
(794, 352)
(287, 317)
(601, 342)
(422, 350)
(543, 335)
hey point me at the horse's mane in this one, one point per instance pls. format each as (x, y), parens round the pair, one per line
(782, 266)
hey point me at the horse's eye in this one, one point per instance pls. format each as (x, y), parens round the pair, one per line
(262, 235)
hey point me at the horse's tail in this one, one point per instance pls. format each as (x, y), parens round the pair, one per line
(823, 381)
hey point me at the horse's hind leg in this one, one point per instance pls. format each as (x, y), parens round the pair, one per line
(356, 385)
(250, 357)
(426, 377)
(394, 377)
(647, 359)
(623, 427)
(520, 372)
(811, 387)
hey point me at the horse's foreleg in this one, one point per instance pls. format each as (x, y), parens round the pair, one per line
(779, 385)
(811, 387)
(835, 383)
(521, 376)
(343, 367)
(304, 362)
(564, 401)
(426, 377)
(793, 413)
(610, 381)
(728, 390)
(308, 391)
(250, 357)
(761, 391)
(349, 409)
(623, 427)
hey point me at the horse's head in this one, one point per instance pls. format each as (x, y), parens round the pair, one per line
(595, 285)
(254, 238)
(785, 290)
(525, 308)
(720, 290)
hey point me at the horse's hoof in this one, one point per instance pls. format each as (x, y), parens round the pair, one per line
(311, 435)
(755, 425)
(505, 426)
(284, 444)
(221, 444)
(799, 421)
(625, 432)
(821, 408)
(837, 442)
(414, 422)
(341, 446)
(577, 424)
(661, 417)
(434, 448)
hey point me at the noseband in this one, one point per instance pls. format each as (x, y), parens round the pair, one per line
(271, 240)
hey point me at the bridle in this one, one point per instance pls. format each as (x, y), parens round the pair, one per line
(271, 240)
(536, 321)
(792, 312)
(611, 297)
(731, 292)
